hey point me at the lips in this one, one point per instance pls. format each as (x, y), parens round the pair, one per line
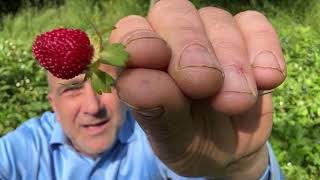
(96, 124)
(95, 128)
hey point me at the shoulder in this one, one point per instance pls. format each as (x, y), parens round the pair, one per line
(136, 152)
(23, 145)
(33, 129)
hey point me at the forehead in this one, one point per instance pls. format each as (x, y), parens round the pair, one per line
(55, 82)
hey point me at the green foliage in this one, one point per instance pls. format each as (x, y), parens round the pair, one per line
(101, 82)
(114, 55)
(295, 136)
(73, 14)
(22, 85)
(297, 103)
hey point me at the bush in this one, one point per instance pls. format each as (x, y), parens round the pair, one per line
(22, 85)
(295, 136)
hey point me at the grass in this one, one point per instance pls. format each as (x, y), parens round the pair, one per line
(73, 14)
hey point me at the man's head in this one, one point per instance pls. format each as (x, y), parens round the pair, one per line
(90, 121)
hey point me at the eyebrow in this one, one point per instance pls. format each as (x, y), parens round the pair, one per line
(67, 84)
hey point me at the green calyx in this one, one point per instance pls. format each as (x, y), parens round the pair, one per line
(112, 54)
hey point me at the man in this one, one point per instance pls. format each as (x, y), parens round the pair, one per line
(207, 116)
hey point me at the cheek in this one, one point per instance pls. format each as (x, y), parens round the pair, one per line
(114, 104)
(67, 113)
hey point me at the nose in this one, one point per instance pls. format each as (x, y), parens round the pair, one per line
(92, 103)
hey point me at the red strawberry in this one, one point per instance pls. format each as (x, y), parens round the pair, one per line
(65, 53)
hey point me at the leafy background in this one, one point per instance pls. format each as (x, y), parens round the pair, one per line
(296, 132)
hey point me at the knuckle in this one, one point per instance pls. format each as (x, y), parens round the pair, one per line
(221, 28)
(213, 11)
(250, 14)
(227, 45)
(170, 6)
(263, 32)
(229, 49)
(130, 19)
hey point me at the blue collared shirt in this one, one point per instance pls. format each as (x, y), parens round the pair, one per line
(38, 150)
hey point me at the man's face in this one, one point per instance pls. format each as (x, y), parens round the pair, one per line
(90, 121)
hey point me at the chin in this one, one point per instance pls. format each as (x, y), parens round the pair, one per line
(97, 146)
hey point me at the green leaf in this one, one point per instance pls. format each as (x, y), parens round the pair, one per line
(101, 82)
(114, 55)
(94, 66)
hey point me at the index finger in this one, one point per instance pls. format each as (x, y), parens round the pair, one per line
(193, 65)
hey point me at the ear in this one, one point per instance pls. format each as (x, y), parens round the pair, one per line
(51, 101)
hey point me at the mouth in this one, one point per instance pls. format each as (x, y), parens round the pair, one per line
(96, 128)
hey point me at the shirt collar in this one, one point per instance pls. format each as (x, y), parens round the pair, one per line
(127, 131)
(125, 135)
(58, 136)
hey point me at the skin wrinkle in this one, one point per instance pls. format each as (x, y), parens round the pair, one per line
(260, 113)
(181, 14)
(229, 48)
(168, 6)
(235, 127)
(163, 136)
(198, 149)
(188, 11)
(247, 157)
(213, 136)
(232, 160)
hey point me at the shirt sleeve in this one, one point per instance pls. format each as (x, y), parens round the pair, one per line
(2, 175)
(273, 171)
(14, 153)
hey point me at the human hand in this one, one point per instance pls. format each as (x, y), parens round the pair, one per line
(194, 81)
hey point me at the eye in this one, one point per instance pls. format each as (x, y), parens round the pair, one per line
(73, 89)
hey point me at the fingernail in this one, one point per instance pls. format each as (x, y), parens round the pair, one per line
(267, 59)
(237, 81)
(197, 55)
(146, 113)
(151, 113)
(139, 34)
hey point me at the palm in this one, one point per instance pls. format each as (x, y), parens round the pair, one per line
(217, 139)
(228, 138)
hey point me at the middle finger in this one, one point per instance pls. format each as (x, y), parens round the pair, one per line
(193, 65)
(239, 91)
